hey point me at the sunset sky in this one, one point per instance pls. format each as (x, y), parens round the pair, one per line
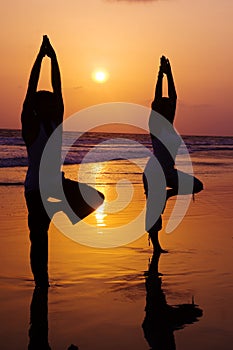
(125, 39)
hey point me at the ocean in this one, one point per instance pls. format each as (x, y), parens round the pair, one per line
(99, 147)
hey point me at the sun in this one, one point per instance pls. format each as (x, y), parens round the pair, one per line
(100, 76)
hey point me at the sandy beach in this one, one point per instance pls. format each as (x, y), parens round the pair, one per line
(97, 296)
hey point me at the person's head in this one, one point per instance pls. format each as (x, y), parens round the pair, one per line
(164, 107)
(44, 105)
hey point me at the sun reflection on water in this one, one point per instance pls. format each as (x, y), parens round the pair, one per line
(100, 217)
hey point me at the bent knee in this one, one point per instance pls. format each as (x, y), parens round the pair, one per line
(197, 186)
(145, 184)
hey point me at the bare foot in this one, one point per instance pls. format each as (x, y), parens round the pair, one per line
(159, 250)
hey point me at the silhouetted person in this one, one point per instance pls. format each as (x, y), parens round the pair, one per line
(42, 114)
(38, 331)
(165, 142)
(161, 319)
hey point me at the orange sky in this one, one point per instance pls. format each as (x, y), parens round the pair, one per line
(126, 38)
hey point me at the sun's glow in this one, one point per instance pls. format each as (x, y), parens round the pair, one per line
(100, 76)
(100, 215)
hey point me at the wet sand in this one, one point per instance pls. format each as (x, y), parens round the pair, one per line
(97, 296)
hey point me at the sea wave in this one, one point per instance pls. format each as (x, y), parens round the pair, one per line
(107, 146)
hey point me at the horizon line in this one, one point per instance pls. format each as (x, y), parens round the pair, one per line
(112, 132)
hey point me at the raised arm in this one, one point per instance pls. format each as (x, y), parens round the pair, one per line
(159, 84)
(171, 86)
(166, 106)
(30, 123)
(55, 74)
(159, 87)
(55, 71)
(35, 72)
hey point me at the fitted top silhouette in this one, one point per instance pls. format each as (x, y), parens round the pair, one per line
(35, 152)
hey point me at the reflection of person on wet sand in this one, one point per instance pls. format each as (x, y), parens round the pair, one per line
(161, 319)
(42, 114)
(38, 331)
(163, 135)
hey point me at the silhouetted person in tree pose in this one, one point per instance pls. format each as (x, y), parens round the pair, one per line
(41, 115)
(163, 135)
(161, 319)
